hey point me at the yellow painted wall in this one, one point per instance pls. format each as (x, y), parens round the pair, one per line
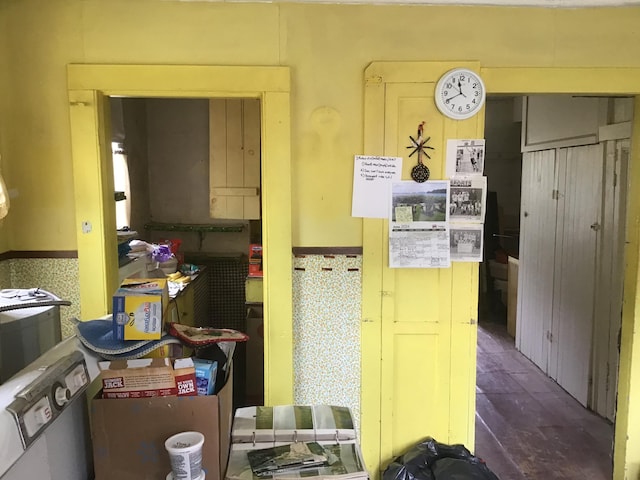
(4, 95)
(327, 48)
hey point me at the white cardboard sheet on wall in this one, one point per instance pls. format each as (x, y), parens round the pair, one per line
(372, 177)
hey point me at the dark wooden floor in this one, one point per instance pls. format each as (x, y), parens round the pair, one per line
(527, 427)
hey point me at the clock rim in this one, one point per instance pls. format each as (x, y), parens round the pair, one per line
(440, 103)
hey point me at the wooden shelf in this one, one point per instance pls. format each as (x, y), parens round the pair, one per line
(198, 228)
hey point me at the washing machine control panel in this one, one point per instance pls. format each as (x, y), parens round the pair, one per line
(40, 402)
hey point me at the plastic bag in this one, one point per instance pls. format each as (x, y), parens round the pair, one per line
(431, 460)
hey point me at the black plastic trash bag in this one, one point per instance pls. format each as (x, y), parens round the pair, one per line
(431, 460)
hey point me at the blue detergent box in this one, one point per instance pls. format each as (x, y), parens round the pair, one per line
(206, 372)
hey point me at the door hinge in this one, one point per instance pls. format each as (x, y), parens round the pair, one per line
(615, 179)
(555, 194)
(549, 336)
(606, 383)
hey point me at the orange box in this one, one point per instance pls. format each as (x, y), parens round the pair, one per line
(255, 260)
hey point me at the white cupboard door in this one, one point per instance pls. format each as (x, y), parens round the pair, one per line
(610, 274)
(537, 246)
(579, 223)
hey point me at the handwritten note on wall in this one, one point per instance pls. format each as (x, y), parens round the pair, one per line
(372, 177)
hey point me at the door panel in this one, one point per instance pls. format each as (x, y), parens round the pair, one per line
(427, 316)
(537, 247)
(579, 224)
(610, 268)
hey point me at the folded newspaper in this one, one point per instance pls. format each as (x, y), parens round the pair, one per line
(342, 461)
(285, 458)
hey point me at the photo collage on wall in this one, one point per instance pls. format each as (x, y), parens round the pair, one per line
(467, 198)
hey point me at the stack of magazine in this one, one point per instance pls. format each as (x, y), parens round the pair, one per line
(319, 443)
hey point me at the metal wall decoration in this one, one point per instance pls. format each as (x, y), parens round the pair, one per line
(420, 173)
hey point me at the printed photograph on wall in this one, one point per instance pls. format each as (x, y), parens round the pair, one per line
(465, 157)
(418, 229)
(465, 242)
(467, 199)
(419, 202)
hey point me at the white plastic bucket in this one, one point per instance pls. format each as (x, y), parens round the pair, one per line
(185, 453)
(171, 477)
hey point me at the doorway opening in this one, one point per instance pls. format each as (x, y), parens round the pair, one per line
(550, 297)
(90, 87)
(190, 176)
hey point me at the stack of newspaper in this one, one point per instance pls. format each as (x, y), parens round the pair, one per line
(312, 442)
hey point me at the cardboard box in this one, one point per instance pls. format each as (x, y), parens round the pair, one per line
(139, 378)
(139, 307)
(128, 434)
(153, 377)
(184, 372)
(255, 260)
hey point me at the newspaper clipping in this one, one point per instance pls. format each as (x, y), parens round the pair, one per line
(465, 157)
(467, 199)
(418, 228)
(466, 242)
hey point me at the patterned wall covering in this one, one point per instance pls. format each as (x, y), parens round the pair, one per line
(56, 275)
(5, 274)
(326, 330)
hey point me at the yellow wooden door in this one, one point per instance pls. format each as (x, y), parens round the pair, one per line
(419, 325)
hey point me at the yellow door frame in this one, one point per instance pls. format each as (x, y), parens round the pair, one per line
(511, 81)
(88, 86)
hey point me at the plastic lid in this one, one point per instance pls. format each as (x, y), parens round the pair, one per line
(201, 477)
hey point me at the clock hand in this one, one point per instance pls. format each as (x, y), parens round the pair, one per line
(460, 88)
(451, 98)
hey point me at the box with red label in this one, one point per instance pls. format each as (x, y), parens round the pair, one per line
(255, 260)
(128, 435)
(140, 378)
(184, 372)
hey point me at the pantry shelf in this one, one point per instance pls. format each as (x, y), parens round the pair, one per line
(199, 228)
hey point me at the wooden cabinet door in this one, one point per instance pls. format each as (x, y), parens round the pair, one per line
(419, 325)
(537, 256)
(579, 223)
(234, 164)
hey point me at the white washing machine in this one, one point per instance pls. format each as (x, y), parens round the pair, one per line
(44, 418)
(29, 326)
(44, 421)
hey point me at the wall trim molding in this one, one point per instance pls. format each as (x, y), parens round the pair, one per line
(38, 254)
(327, 250)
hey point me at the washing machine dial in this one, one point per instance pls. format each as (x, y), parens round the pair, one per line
(61, 395)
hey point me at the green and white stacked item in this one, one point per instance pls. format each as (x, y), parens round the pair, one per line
(294, 441)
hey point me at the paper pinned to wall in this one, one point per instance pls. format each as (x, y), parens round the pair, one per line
(418, 226)
(466, 242)
(372, 177)
(465, 157)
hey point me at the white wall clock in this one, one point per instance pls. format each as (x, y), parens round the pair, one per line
(460, 93)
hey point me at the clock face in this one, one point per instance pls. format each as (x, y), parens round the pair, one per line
(460, 93)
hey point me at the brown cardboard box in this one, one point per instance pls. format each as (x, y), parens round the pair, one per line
(143, 377)
(128, 434)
